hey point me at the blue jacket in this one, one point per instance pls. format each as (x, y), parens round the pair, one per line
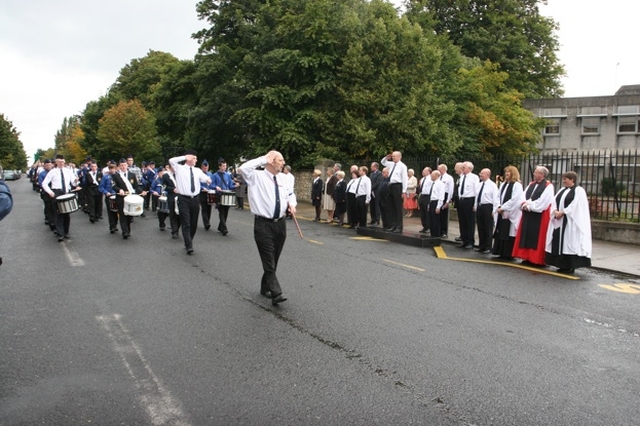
(224, 180)
(156, 186)
(106, 186)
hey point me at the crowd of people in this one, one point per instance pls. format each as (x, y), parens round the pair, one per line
(533, 224)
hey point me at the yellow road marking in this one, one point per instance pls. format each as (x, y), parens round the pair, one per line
(622, 288)
(440, 254)
(406, 266)
(369, 239)
(315, 242)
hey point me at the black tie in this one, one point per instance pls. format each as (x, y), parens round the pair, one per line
(480, 193)
(193, 184)
(392, 170)
(462, 187)
(64, 186)
(276, 211)
(358, 186)
(421, 185)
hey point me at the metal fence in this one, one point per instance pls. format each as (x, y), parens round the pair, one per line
(610, 178)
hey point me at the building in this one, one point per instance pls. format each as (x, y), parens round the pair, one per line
(590, 123)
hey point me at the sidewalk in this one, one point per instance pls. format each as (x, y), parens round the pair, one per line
(609, 256)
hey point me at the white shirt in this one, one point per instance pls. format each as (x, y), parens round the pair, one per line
(351, 186)
(437, 193)
(426, 183)
(183, 176)
(399, 174)
(261, 189)
(449, 186)
(55, 179)
(490, 194)
(470, 182)
(363, 187)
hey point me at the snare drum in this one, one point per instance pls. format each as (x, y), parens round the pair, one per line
(112, 204)
(227, 198)
(133, 205)
(163, 204)
(67, 203)
(211, 196)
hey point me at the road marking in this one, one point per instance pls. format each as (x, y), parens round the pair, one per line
(72, 256)
(440, 254)
(404, 265)
(161, 407)
(369, 239)
(622, 288)
(315, 242)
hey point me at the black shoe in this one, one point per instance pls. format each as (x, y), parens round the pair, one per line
(266, 294)
(162, 228)
(143, 215)
(397, 231)
(189, 251)
(225, 232)
(67, 236)
(390, 229)
(112, 230)
(478, 249)
(423, 231)
(278, 299)
(115, 229)
(60, 239)
(206, 227)
(174, 236)
(92, 220)
(487, 251)
(125, 236)
(458, 239)
(468, 247)
(443, 236)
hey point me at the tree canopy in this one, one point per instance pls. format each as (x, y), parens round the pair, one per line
(12, 154)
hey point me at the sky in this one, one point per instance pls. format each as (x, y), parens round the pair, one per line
(56, 56)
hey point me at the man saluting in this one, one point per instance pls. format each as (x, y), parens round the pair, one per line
(270, 194)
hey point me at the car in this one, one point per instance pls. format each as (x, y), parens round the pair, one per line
(11, 175)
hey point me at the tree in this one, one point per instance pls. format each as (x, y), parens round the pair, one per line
(128, 128)
(510, 33)
(12, 153)
(68, 140)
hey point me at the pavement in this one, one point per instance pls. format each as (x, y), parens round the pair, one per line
(606, 255)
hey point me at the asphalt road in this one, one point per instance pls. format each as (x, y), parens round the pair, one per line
(105, 331)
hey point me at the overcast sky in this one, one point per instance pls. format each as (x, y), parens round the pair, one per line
(55, 56)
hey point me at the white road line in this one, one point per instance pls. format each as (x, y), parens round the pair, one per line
(73, 256)
(161, 407)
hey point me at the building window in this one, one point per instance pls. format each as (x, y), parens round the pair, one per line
(593, 110)
(628, 124)
(628, 109)
(552, 127)
(590, 125)
(553, 112)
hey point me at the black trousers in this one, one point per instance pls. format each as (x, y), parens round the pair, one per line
(395, 190)
(49, 216)
(62, 220)
(466, 219)
(270, 237)
(113, 216)
(374, 208)
(205, 209)
(189, 211)
(484, 221)
(444, 221)
(423, 206)
(95, 203)
(125, 221)
(434, 219)
(361, 209)
(352, 210)
(223, 212)
(174, 218)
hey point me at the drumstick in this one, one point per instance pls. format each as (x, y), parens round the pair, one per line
(297, 226)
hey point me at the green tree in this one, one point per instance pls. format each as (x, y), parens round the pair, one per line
(128, 128)
(511, 33)
(12, 153)
(90, 124)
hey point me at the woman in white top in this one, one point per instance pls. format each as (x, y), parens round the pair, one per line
(509, 214)
(410, 203)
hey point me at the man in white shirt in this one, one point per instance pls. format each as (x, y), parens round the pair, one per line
(449, 185)
(60, 181)
(436, 201)
(398, 182)
(363, 195)
(270, 196)
(188, 179)
(466, 199)
(423, 192)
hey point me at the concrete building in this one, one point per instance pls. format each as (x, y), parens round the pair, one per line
(590, 123)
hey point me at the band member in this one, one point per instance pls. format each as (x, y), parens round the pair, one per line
(149, 175)
(270, 196)
(49, 218)
(106, 189)
(93, 196)
(157, 190)
(125, 183)
(223, 181)
(204, 197)
(169, 183)
(188, 180)
(57, 182)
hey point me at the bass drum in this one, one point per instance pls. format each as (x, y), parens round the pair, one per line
(133, 205)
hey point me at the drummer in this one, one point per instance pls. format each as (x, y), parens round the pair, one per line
(59, 181)
(205, 207)
(125, 183)
(106, 189)
(222, 181)
(157, 190)
(169, 182)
